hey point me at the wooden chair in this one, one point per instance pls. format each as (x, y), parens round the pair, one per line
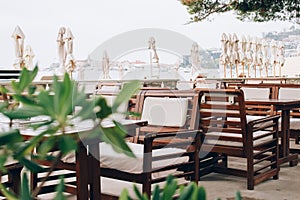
(153, 163)
(171, 111)
(225, 131)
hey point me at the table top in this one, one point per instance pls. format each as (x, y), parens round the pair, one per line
(278, 103)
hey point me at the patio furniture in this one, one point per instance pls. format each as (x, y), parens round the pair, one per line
(171, 111)
(153, 163)
(225, 131)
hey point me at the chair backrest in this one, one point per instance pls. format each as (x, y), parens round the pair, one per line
(173, 108)
(256, 93)
(222, 115)
(289, 93)
(165, 111)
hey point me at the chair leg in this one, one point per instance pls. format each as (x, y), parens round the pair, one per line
(14, 177)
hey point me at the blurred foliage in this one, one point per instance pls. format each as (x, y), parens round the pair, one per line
(57, 105)
(253, 10)
(189, 192)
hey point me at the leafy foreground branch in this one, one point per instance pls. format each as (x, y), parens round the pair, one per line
(253, 10)
(190, 192)
(56, 107)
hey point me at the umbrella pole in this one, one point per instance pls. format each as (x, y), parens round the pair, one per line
(237, 69)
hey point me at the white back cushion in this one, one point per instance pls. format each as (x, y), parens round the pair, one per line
(289, 93)
(165, 111)
(122, 108)
(256, 93)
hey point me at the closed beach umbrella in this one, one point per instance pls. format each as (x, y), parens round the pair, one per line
(61, 47)
(70, 60)
(69, 41)
(19, 37)
(224, 59)
(195, 60)
(28, 57)
(105, 66)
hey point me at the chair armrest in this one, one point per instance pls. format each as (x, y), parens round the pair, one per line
(264, 120)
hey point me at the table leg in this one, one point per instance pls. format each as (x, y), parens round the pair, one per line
(285, 155)
(94, 171)
(81, 173)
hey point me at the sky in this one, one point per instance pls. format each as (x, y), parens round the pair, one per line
(93, 22)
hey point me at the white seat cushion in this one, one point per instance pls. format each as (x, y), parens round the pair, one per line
(165, 111)
(256, 93)
(294, 124)
(236, 144)
(113, 160)
(289, 93)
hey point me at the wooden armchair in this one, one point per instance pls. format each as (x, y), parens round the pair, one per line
(171, 111)
(153, 163)
(225, 131)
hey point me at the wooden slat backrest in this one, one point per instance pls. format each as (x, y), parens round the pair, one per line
(259, 91)
(222, 111)
(191, 95)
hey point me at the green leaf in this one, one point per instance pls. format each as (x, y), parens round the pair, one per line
(60, 189)
(24, 112)
(25, 191)
(46, 146)
(137, 192)
(8, 194)
(10, 137)
(104, 109)
(238, 196)
(31, 165)
(170, 188)
(187, 193)
(67, 144)
(115, 137)
(126, 93)
(201, 193)
(124, 195)
(156, 193)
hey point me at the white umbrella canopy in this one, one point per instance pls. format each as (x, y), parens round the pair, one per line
(70, 64)
(195, 60)
(69, 41)
(19, 37)
(28, 57)
(61, 48)
(105, 66)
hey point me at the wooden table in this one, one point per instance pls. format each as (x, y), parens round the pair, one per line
(88, 160)
(285, 106)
